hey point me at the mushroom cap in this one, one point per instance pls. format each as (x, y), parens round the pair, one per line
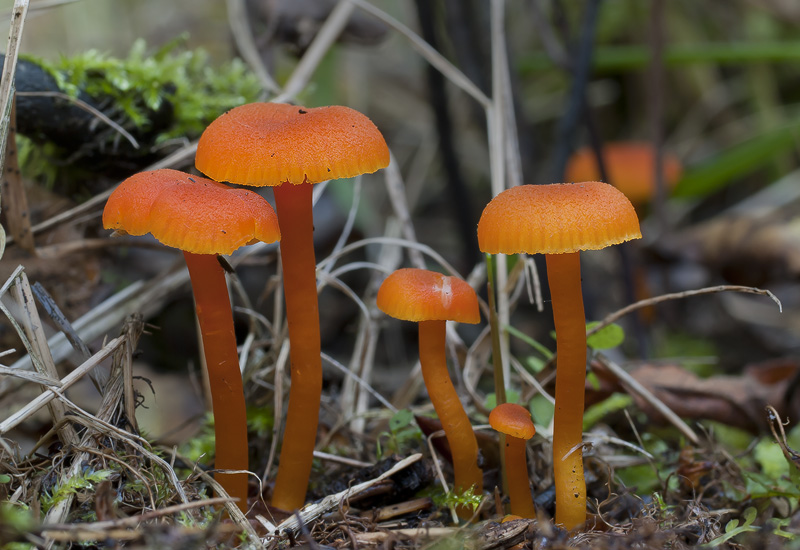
(630, 166)
(556, 219)
(512, 419)
(271, 143)
(194, 214)
(420, 295)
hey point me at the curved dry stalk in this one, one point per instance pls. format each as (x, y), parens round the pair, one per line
(612, 317)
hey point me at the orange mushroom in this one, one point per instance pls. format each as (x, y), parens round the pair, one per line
(629, 165)
(203, 218)
(559, 220)
(431, 299)
(515, 422)
(291, 147)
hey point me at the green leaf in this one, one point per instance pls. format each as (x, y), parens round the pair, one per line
(737, 161)
(598, 411)
(5, 478)
(546, 353)
(733, 528)
(400, 419)
(607, 337)
(534, 364)
(491, 399)
(541, 409)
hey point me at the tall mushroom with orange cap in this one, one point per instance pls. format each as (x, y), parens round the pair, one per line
(431, 299)
(560, 220)
(203, 218)
(515, 422)
(630, 167)
(291, 147)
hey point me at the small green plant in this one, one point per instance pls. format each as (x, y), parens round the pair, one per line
(85, 480)
(202, 444)
(15, 519)
(402, 432)
(467, 498)
(733, 528)
(260, 421)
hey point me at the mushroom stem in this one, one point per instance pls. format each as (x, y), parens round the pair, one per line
(293, 205)
(225, 379)
(519, 488)
(564, 277)
(456, 424)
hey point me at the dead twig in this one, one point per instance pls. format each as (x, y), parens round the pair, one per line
(608, 319)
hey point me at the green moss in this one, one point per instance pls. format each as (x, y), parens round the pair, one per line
(140, 83)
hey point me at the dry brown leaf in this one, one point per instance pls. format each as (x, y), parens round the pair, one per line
(735, 400)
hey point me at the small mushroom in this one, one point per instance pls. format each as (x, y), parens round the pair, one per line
(515, 422)
(431, 299)
(560, 220)
(203, 218)
(290, 148)
(630, 167)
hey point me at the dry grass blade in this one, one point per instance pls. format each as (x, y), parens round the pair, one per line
(17, 212)
(397, 242)
(100, 530)
(236, 515)
(497, 133)
(38, 348)
(322, 42)
(139, 297)
(43, 399)
(396, 190)
(101, 424)
(243, 36)
(18, 13)
(634, 386)
(430, 54)
(44, 380)
(417, 535)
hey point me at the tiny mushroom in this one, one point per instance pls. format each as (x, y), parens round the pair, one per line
(515, 422)
(431, 299)
(290, 148)
(630, 167)
(203, 218)
(560, 220)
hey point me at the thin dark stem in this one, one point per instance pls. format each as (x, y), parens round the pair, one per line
(458, 194)
(568, 125)
(627, 263)
(656, 106)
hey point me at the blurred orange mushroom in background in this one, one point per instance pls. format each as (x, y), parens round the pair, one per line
(515, 422)
(560, 220)
(289, 148)
(203, 218)
(431, 299)
(630, 167)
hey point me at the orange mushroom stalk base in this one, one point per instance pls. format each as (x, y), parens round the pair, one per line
(294, 208)
(225, 379)
(564, 277)
(455, 422)
(519, 488)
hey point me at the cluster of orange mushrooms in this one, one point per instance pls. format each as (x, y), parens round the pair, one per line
(290, 148)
